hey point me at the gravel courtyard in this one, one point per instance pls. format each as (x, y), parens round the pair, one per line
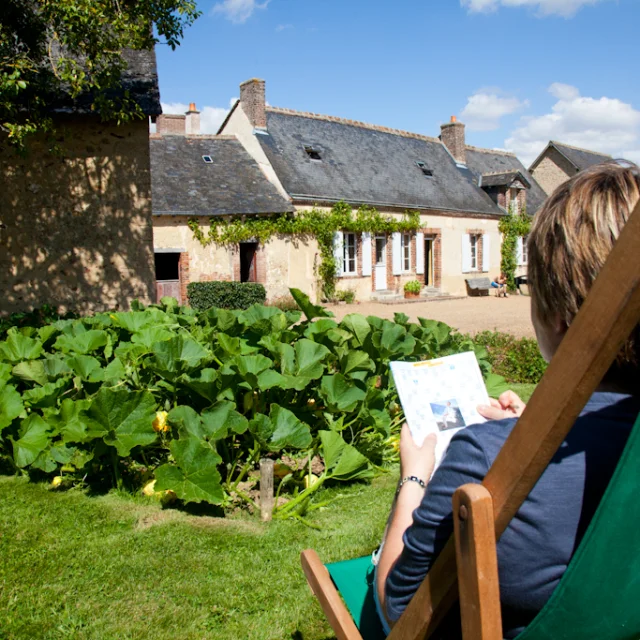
(468, 315)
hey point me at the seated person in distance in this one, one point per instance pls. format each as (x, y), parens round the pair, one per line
(569, 242)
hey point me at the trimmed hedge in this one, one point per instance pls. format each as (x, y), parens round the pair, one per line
(225, 295)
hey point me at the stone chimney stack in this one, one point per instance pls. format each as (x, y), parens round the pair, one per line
(452, 135)
(192, 120)
(252, 101)
(171, 124)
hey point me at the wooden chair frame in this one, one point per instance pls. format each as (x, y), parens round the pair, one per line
(467, 565)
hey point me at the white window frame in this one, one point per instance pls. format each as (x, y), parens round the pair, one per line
(473, 251)
(349, 238)
(405, 252)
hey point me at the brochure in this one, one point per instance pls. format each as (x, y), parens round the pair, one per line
(440, 396)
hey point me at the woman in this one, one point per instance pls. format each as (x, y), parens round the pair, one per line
(570, 240)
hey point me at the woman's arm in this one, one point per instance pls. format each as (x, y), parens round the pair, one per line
(417, 462)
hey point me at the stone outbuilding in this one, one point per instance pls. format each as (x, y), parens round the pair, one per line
(558, 162)
(75, 225)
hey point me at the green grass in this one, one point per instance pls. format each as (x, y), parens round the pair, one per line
(118, 567)
(524, 390)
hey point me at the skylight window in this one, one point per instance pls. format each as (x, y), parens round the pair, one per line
(423, 167)
(313, 153)
(207, 159)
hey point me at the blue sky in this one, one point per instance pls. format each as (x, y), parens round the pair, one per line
(516, 72)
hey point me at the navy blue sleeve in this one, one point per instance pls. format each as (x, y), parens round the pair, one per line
(465, 461)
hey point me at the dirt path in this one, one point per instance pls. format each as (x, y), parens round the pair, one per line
(468, 315)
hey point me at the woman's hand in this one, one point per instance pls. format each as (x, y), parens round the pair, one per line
(508, 405)
(414, 460)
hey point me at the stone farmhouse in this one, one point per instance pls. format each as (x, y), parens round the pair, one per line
(75, 227)
(267, 160)
(558, 162)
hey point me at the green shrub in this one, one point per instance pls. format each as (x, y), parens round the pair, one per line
(517, 359)
(348, 296)
(413, 286)
(46, 314)
(225, 295)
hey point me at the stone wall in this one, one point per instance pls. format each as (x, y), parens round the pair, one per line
(552, 171)
(75, 227)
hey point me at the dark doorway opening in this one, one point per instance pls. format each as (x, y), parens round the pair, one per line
(248, 269)
(168, 276)
(428, 262)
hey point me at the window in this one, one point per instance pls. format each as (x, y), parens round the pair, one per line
(514, 205)
(207, 159)
(525, 256)
(474, 251)
(522, 251)
(313, 153)
(350, 266)
(405, 246)
(423, 167)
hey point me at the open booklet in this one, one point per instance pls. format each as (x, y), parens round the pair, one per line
(440, 396)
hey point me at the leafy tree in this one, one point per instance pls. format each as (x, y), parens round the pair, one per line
(74, 47)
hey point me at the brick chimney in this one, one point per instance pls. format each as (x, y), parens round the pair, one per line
(252, 101)
(452, 135)
(171, 124)
(192, 122)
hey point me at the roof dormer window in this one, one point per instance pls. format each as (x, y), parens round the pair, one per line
(313, 153)
(423, 167)
(207, 159)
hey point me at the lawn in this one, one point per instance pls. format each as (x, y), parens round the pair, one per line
(118, 567)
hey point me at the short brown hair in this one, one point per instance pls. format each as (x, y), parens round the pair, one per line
(570, 239)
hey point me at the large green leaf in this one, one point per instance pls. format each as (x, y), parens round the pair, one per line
(47, 395)
(187, 420)
(126, 416)
(178, 355)
(256, 371)
(496, 385)
(222, 419)
(393, 340)
(234, 346)
(223, 320)
(357, 324)
(83, 343)
(194, 477)
(86, 367)
(281, 430)
(135, 321)
(204, 383)
(309, 359)
(72, 423)
(49, 459)
(438, 330)
(263, 320)
(17, 348)
(10, 405)
(343, 461)
(5, 373)
(33, 438)
(55, 366)
(308, 308)
(31, 371)
(150, 335)
(355, 361)
(340, 394)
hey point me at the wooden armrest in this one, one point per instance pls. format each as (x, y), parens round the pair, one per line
(322, 586)
(477, 563)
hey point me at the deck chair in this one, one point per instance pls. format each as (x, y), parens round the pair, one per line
(599, 593)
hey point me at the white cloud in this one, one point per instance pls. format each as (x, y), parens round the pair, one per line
(210, 117)
(238, 11)
(485, 108)
(565, 8)
(602, 124)
(284, 27)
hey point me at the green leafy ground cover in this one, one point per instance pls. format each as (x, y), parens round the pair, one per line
(194, 400)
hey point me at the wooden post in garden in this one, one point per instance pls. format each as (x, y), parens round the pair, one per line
(266, 489)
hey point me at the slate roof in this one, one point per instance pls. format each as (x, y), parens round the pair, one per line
(484, 161)
(183, 184)
(365, 164)
(503, 179)
(579, 158)
(140, 78)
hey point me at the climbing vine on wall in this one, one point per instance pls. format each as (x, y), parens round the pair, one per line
(312, 223)
(512, 227)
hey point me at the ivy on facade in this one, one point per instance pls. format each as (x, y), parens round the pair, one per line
(512, 227)
(314, 223)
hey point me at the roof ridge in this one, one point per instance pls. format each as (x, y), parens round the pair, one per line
(353, 123)
(498, 173)
(570, 146)
(193, 136)
(485, 150)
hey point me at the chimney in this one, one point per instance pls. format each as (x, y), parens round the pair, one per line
(252, 100)
(170, 124)
(452, 135)
(192, 120)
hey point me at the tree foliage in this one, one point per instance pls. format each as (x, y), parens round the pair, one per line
(74, 47)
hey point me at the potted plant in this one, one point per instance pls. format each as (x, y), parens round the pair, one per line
(412, 289)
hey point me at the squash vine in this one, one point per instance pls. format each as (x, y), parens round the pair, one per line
(224, 230)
